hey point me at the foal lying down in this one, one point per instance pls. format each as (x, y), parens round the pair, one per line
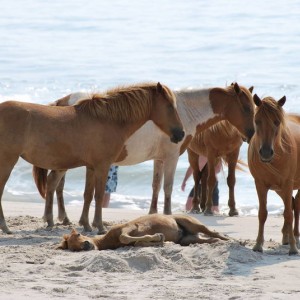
(149, 230)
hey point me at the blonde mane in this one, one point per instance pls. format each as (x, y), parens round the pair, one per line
(123, 103)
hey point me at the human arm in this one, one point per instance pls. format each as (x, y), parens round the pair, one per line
(187, 175)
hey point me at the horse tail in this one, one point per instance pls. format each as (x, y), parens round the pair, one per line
(239, 166)
(40, 179)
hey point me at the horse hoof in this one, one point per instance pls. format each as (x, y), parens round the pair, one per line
(233, 213)
(101, 231)
(208, 212)
(66, 221)
(258, 248)
(293, 252)
(49, 228)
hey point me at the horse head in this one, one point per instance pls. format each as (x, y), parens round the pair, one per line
(164, 113)
(76, 242)
(269, 120)
(235, 104)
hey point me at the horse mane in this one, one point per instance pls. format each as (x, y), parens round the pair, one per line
(230, 91)
(119, 103)
(224, 127)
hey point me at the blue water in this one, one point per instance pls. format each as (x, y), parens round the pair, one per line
(51, 48)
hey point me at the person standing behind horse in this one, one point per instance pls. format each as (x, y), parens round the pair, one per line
(202, 161)
(111, 185)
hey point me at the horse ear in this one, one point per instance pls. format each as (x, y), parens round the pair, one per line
(159, 87)
(74, 231)
(64, 243)
(281, 101)
(257, 100)
(251, 89)
(237, 88)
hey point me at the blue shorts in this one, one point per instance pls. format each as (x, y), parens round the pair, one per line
(112, 180)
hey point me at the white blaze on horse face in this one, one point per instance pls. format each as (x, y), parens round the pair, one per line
(78, 96)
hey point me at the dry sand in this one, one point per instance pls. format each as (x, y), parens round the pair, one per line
(31, 268)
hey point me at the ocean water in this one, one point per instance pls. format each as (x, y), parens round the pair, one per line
(51, 48)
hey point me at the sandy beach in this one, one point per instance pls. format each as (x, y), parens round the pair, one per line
(31, 268)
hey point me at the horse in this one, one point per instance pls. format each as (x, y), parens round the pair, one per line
(220, 141)
(60, 138)
(198, 109)
(148, 230)
(274, 162)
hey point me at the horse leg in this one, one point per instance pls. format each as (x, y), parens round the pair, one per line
(140, 241)
(211, 183)
(156, 184)
(193, 160)
(6, 168)
(232, 159)
(287, 230)
(101, 173)
(203, 189)
(296, 216)
(193, 227)
(262, 193)
(62, 214)
(169, 173)
(53, 180)
(88, 197)
(195, 239)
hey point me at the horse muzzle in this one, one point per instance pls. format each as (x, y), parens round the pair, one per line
(88, 246)
(266, 154)
(177, 135)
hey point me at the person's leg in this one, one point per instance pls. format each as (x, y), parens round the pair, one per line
(106, 199)
(188, 204)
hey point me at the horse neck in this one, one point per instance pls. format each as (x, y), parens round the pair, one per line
(195, 109)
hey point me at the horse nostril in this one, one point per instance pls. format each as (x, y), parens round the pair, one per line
(86, 245)
(177, 135)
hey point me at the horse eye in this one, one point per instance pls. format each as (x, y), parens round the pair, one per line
(78, 234)
(276, 123)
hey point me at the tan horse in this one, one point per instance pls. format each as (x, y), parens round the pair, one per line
(149, 230)
(220, 141)
(198, 109)
(60, 138)
(274, 162)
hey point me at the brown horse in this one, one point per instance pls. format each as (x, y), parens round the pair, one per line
(274, 162)
(198, 109)
(149, 230)
(91, 133)
(220, 141)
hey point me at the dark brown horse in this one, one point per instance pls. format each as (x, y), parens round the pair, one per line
(274, 162)
(220, 141)
(91, 133)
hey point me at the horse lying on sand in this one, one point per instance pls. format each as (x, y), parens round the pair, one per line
(91, 133)
(197, 108)
(149, 230)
